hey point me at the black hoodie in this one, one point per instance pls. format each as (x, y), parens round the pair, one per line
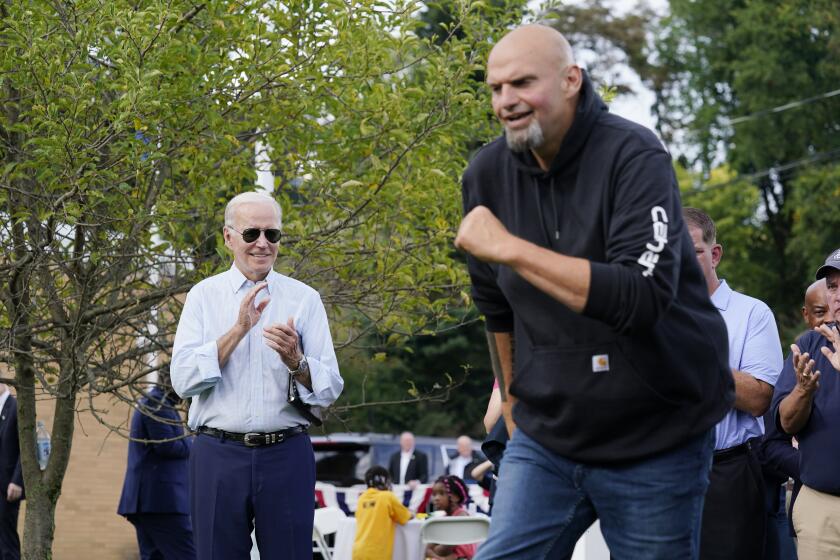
(645, 365)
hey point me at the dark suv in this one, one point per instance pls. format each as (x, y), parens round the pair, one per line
(343, 458)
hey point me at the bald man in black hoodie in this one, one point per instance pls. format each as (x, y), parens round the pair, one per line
(577, 252)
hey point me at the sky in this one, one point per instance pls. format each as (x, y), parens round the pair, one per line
(634, 107)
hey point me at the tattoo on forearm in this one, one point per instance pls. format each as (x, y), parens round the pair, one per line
(496, 363)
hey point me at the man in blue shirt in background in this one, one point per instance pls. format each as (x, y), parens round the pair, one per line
(733, 514)
(806, 405)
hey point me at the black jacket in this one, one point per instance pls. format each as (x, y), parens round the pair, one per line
(157, 475)
(417, 469)
(10, 470)
(646, 364)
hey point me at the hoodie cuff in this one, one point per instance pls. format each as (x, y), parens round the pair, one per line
(600, 304)
(499, 323)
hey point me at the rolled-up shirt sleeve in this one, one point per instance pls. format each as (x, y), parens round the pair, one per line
(762, 354)
(195, 362)
(316, 341)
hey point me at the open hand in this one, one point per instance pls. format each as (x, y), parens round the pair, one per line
(806, 378)
(833, 336)
(249, 313)
(482, 235)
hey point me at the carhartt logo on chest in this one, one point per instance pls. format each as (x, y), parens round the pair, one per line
(600, 363)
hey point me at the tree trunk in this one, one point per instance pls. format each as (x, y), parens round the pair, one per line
(39, 525)
(44, 488)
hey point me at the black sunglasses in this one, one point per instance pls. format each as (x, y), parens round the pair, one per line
(252, 234)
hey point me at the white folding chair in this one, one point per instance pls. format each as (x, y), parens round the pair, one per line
(325, 523)
(455, 530)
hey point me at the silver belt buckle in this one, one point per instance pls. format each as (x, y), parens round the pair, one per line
(253, 439)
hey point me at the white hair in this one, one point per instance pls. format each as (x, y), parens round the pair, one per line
(522, 140)
(250, 198)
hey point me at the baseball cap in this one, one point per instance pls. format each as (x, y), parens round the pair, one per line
(831, 263)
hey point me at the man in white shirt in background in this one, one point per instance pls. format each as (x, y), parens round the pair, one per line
(467, 459)
(409, 466)
(243, 335)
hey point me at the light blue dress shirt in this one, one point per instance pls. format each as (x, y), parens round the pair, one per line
(754, 348)
(249, 394)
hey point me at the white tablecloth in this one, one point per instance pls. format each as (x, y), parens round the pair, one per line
(413, 498)
(591, 545)
(407, 545)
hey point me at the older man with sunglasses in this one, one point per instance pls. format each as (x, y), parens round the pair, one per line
(250, 339)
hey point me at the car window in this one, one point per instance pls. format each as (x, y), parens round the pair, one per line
(340, 463)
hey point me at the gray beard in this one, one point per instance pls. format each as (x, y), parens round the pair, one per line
(521, 140)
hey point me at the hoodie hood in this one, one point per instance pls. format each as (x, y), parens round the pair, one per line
(589, 109)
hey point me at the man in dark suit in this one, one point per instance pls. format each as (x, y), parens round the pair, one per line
(409, 466)
(155, 495)
(465, 460)
(11, 478)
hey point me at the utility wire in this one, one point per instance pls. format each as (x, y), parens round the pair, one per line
(829, 155)
(780, 108)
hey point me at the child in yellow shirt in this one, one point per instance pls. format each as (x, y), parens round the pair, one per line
(376, 512)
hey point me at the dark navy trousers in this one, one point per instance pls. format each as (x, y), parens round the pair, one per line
(163, 536)
(234, 489)
(9, 540)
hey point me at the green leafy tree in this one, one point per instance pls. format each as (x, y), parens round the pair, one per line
(126, 125)
(743, 85)
(439, 384)
(433, 384)
(607, 41)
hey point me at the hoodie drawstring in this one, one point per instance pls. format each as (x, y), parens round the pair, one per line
(553, 207)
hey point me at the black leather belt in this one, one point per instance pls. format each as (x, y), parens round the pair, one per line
(253, 439)
(730, 452)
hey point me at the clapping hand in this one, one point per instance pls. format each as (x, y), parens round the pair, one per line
(285, 340)
(833, 336)
(806, 378)
(249, 313)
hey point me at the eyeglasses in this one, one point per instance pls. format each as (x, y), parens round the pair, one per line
(252, 234)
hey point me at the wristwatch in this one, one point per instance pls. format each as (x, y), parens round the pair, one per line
(303, 365)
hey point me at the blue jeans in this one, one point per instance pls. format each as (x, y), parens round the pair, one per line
(649, 509)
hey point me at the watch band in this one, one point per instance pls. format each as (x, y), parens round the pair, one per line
(303, 365)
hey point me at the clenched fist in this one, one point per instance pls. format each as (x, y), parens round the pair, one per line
(482, 235)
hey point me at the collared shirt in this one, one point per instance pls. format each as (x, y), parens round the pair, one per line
(249, 394)
(458, 464)
(405, 459)
(754, 348)
(4, 397)
(819, 454)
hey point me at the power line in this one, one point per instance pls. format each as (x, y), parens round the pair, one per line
(829, 155)
(780, 108)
